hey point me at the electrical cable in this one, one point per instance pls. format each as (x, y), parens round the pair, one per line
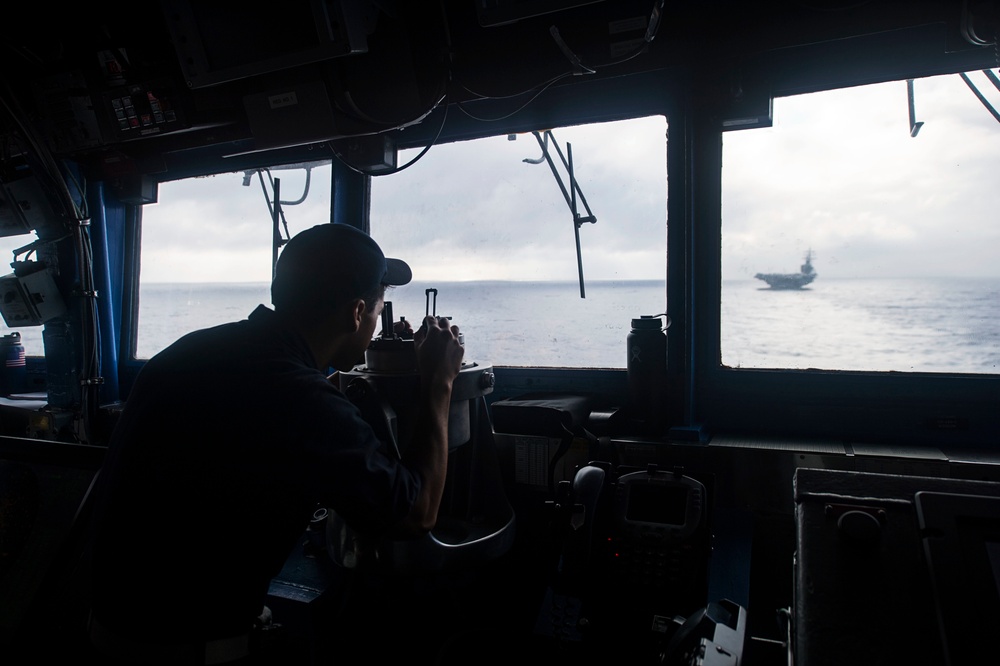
(652, 29)
(579, 68)
(413, 161)
(79, 223)
(389, 126)
(532, 89)
(520, 108)
(382, 126)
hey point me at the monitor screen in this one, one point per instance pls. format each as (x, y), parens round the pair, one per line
(657, 503)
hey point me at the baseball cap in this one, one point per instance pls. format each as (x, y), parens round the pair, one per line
(331, 264)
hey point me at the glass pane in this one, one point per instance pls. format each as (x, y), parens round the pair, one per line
(491, 230)
(206, 249)
(902, 231)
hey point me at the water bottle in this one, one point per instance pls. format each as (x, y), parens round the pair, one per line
(647, 369)
(14, 378)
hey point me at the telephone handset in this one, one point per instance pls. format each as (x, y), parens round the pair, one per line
(578, 525)
(582, 531)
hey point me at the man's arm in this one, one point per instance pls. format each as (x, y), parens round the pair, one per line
(439, 360)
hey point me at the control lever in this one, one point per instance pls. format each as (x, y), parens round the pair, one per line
(430, 309)
(427, 307)
(387, 327)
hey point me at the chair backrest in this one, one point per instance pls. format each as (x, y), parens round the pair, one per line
(18, 510)
(45, 490)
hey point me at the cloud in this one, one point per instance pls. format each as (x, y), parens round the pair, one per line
(840, 173)
(494, 216)
(215, 229)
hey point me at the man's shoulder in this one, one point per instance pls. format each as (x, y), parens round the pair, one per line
(218, 335)
(260, 325)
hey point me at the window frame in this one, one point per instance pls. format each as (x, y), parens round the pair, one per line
(920, 410)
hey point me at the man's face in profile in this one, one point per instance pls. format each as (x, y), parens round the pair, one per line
(369, 322)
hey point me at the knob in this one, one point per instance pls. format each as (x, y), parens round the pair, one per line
(358, 388)
(487, 379)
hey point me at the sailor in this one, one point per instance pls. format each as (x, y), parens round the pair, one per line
(233, 435)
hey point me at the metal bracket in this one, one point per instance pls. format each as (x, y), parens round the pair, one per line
(571, 195)
(982, 98)
(914, 125)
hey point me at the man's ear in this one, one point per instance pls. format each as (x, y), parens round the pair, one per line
(357, 310)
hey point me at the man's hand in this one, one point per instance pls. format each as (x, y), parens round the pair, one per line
(439, 352)
(439, 360)
(402, 329)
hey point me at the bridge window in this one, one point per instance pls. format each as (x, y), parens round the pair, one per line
(485, 223)
(896, 207)
(206, 248)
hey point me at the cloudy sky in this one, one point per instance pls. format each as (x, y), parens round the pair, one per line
(838, 173)
(499, 217)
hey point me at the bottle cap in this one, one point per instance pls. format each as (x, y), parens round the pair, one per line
(647, 322)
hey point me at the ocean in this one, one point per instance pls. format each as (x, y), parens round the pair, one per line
(908, 325)
(949, 325)
(543, 324)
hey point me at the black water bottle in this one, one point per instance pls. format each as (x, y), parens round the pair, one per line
(647, 370)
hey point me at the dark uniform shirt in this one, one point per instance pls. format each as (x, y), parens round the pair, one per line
(229, 439)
